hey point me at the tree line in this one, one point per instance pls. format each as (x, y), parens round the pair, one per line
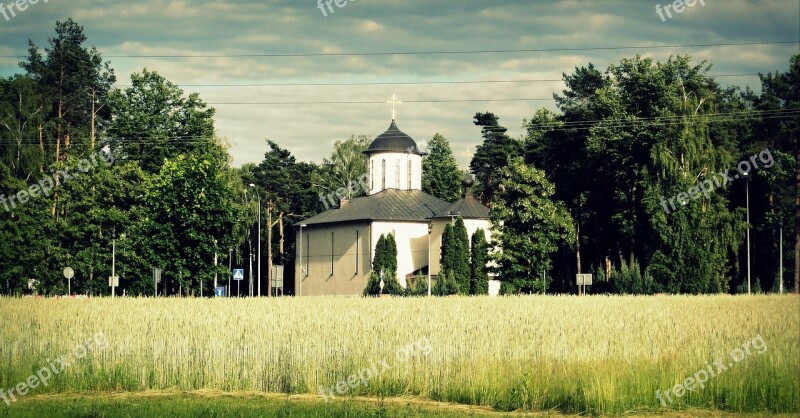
(581, 191)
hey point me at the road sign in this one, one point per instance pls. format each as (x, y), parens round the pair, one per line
(113, 281)
(220, 291)
(69, 273)
(238, 274)
(584, 279)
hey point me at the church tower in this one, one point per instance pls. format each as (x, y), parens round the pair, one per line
(395, 162)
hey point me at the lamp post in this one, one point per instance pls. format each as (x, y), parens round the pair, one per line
(302, 273)
(430, 230)
(747, 198)
(258, 279)
(780, 252)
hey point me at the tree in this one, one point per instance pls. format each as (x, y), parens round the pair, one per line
(74, 80)
(528, 225)
(154, 121)
(448, 249)
(461, 267)
(344, 174)
(781, 93)
(492, 155)
(190, 213)
(440, 174)
(479, 254)
(385, 262)
(445, 284)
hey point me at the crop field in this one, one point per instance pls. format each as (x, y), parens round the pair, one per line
(574, 355)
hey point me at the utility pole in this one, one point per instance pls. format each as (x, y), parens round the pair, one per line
(113, 262)
(269, 248)
(780, 256)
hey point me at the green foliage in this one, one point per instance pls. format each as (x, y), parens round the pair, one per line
(440, 174)
(385, 261)
(479, 254)
(630, 280)
(492, 155)
(190, 209)
(344, 174)
(529, 226)
(445, 284)
(448, 249)
(154, 121)
(461, 264)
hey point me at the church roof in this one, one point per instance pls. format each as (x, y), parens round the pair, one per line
(467, 208)
(388, 205)
(393, 140)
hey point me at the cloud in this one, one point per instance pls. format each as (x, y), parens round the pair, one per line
(205, 27)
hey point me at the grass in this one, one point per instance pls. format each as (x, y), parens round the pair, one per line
(589, 355)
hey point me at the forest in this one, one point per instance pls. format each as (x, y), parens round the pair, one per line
(649, 175)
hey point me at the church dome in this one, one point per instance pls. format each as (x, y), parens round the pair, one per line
(393, 140)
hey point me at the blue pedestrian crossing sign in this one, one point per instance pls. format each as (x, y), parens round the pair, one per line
(238, 274)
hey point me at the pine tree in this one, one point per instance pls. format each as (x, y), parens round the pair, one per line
(440, 174)
(461, 268)
(446, 258)
(385, 261)
(479, 279)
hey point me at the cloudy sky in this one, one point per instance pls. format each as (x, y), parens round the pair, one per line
(305, 76)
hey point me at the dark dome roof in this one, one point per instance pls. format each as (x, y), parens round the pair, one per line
(393, 140)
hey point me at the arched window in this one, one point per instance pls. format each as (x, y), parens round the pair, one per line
(397, 175)
(409, 174)
(371, 174)
(383, 182)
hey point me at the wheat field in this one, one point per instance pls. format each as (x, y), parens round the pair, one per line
(599, 355)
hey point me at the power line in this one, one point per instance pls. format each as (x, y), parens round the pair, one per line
(312, 103)
(400, 83)
(442, 52)
(563, 126)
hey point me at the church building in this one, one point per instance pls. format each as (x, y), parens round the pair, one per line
(335, 248)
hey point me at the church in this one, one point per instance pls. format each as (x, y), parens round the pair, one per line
(335, 248)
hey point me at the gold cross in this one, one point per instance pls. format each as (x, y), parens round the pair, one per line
(394, 102)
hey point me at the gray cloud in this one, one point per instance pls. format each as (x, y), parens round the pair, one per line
(149, 27)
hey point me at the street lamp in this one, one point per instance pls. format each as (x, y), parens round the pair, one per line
(430, 230)
(302, 273)
(747, 197)
(259, 238)
(780, 252)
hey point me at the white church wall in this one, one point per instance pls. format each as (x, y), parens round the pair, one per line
(392, 180)
(494, 287)
(412, 245)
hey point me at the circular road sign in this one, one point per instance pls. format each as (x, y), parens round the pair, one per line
(69, 273)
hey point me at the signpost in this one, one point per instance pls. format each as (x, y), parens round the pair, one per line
(219, 291)
(156, 280)
(113, 281)
(238, 275)
(69, 273)
(277, 278)
(582, 280)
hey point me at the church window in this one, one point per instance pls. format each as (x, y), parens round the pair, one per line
(383, 182)
(397, 175)
(371, 174)
(409, 174)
